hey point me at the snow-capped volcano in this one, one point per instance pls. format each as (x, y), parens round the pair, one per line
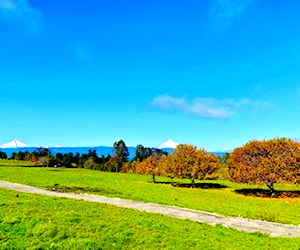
(14, 144)
(169, 144)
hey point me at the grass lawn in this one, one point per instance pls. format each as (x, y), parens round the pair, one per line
(139, 187)
(30, 221)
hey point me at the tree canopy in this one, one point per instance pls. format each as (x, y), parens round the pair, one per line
(265, 162)
(121, 150)
(186, 161)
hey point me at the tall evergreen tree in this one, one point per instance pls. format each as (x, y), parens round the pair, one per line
(121, 150)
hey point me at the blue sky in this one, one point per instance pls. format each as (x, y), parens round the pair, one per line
(215, 73)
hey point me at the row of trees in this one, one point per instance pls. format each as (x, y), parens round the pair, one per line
(186, 161)
(260, 162)
(116, 162)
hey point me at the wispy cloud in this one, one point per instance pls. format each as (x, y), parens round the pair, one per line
(207, 108)
(21, 12)
(198, 107)
(224, 12)
(262, 106)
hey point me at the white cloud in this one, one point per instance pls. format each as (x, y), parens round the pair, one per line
(208, 108)
(224, 12)
(198, 107)
(21, 12)
(166, 102)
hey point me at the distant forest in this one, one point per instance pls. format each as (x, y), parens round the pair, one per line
(91, 160)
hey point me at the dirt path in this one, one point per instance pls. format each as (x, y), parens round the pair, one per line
(247, 225)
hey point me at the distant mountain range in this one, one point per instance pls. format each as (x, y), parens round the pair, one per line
(18, 144)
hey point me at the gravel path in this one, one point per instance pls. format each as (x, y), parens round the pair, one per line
(247, 225)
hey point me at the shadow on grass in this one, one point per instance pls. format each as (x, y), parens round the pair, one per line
(18, 166)
(264, 193)
(200, 185)
(80, 190)
(196, 185)
(161, 182)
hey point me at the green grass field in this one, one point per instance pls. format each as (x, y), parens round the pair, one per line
(30, 221)
(139, 187)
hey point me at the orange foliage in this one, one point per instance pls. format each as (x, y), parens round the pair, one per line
(207, 166)
(31, 157)
(114, 164)
(151, 165)
(127, 167)
(186, 161)
(181, 161)
(265, 162)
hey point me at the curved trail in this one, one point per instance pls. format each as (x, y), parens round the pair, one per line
(246, 225)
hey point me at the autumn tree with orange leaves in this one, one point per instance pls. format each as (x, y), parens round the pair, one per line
(181, 161)
(186, 161)
(207, 166)
(151, 165)
(266, 162)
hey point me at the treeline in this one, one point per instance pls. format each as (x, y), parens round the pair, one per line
(260, 162)
(117, 162)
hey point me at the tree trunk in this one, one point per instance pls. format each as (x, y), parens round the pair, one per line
(271, 187)
(193, 182)
(153, 178)
(172, 181)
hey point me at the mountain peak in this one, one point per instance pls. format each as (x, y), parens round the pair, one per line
(169, 144)
(14, 144)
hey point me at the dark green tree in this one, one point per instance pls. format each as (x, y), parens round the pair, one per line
(121, 150)
(13, 156)
(68, 159)
(59, 157)
(43, 152)
(3, 155)
(159, 152)
(20, 156)
(92, 154)
(76, 159)
(141, 153)
(82, 159)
